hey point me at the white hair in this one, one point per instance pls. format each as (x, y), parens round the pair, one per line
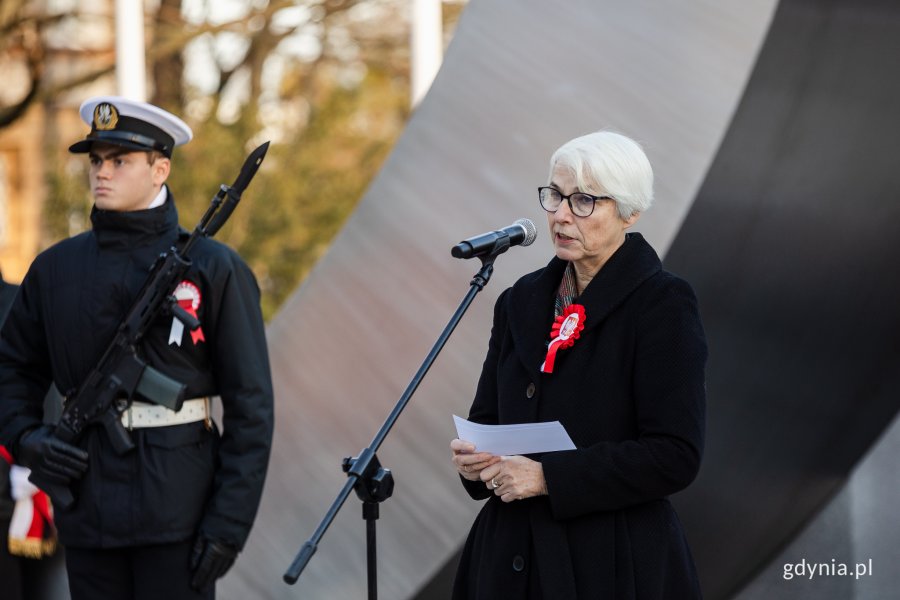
(608, 163)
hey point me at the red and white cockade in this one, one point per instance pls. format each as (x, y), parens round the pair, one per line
(566, 329)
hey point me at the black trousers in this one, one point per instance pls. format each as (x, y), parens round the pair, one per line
(134, 573)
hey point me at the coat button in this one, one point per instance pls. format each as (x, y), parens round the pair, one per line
(529, 391)
(518, 563)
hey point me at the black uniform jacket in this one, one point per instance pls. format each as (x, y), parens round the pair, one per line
(7, 293)
(178, 478)
(631, 394)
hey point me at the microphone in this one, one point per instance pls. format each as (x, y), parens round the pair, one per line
(520, 233)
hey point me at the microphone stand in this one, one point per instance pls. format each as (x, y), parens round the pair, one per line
(372, 482)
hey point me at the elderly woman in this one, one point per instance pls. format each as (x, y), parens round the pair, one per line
(607, 342)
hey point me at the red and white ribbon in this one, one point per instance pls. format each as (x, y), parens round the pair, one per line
(566, 329)
(188, 296)
(32, 533)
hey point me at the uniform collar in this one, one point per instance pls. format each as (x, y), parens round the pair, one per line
(134, 228)
(160, 197)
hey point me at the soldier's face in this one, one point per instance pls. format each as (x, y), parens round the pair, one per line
(123, 180)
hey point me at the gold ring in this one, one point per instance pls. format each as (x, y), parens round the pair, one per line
(494, 483)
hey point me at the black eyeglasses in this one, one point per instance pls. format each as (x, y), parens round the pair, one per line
(581, 204)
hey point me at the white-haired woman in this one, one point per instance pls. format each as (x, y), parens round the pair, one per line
(607, 342)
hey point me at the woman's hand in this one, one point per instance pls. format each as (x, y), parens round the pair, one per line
(469, 463)
(515, 478)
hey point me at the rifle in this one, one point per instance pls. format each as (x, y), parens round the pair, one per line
(120, 375)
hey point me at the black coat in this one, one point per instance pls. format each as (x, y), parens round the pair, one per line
(179, 478)
(7, 294)
(631, 394)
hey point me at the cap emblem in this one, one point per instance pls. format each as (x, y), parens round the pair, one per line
(105, 117)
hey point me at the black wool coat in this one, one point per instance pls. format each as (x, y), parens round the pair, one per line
(7, 293)
(631, 394)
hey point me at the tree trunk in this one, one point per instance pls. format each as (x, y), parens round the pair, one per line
(168, 68)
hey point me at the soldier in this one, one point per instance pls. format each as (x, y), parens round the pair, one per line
(168, 518)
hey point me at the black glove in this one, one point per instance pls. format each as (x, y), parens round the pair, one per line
(210, 560)
(47, 455)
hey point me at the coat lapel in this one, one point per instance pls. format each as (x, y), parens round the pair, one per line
(531, 313)
(531, 299)
(631, 265)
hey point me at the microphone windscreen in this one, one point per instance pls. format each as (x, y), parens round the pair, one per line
(530, 231)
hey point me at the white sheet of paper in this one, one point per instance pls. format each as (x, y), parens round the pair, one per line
(523, 438)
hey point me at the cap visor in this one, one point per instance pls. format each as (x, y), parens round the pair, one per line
(85, 146)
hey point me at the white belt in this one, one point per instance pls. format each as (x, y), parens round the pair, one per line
(143, 414)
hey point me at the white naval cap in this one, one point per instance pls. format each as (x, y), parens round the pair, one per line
(131, 124)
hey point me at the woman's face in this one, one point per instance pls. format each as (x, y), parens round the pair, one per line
(589, 241)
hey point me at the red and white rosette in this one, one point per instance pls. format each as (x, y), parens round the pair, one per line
(566, 329)
(188, 296)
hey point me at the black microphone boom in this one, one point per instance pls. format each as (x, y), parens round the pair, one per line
(520, 233)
